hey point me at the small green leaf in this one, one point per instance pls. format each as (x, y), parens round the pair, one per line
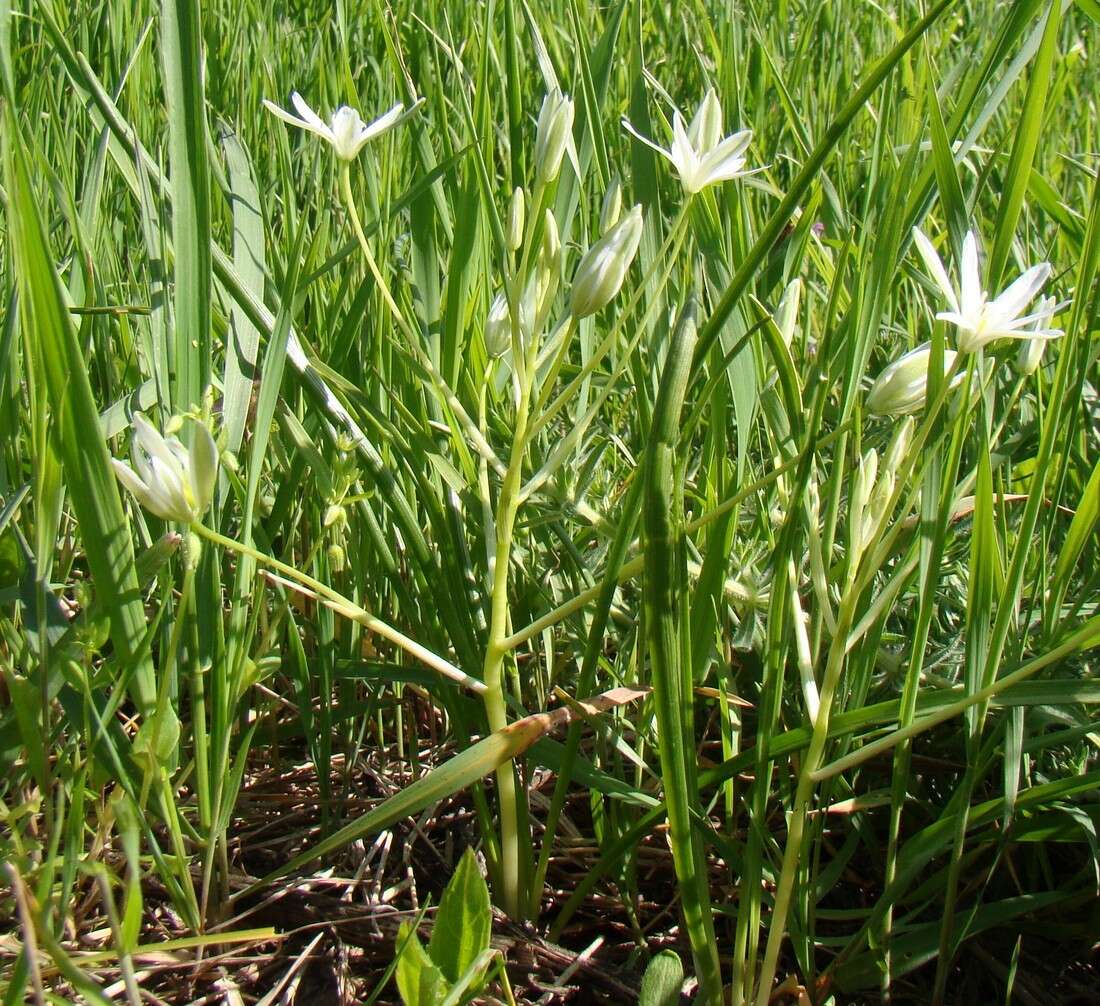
(418, 980)
(663, 980)
(464, 920)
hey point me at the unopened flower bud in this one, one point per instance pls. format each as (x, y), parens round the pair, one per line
(902, 387)
(555, 126)
(863, 485)
(548, 266)
(899, 445)
(516, 220)
(1030, 353)
(786, 314)
(498, 329)
(601, 272)
(192, 551)
(612, 204)
(336, 558)
(864, 481)
(876, 505)
(498, 324)
(550, 249)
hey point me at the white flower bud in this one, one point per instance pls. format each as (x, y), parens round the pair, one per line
(516, 220)
(899, 445)
(863, 485)
(864, 481)
(902, 387)
(498, 329)
(612, 204)
(1030, 353)
(554, 129)
(786, 314)
(548, 266)
(498, 325)
(601, 272)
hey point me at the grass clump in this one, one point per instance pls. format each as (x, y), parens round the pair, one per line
(667, 469)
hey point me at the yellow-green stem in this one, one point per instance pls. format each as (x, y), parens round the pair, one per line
(806, 783)
(493, 676)
(345, 606)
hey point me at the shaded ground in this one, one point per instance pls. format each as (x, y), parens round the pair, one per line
(336, 927)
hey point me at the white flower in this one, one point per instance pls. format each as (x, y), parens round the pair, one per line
(979, 319)
(170, 481)
(1030, 353)
(602, 270)
(902, 387)
(699, 154)
(347, 132)
(552, 134)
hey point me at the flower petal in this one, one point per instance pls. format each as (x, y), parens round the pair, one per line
(283, 114)
(1022, 292)
(150, 441)
(129, 478)
(971, 295)
(645, 139)
(384, 122)
(726, 161)
(683, 154)
(706, 125)
(311, 118)
(204, 468)
(935, 268)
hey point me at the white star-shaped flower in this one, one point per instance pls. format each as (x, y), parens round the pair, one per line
(170, 481)
(347, 132)
(978, 319)
(699, 153)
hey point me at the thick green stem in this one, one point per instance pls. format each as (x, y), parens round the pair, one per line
(493, 673)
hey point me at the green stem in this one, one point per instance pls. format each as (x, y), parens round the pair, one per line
(348, 608)
(804, 794)
(411, 341)
(493, 673)
(664, 604)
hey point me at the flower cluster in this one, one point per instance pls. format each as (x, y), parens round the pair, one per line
(978, 319)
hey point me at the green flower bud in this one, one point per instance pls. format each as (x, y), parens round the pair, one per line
(601, 272)
(337, 560)
(786, 314)
(554, 129)
(192, 551)
(612, 204)
(902, 387)
(516, 220)
(335, 514)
